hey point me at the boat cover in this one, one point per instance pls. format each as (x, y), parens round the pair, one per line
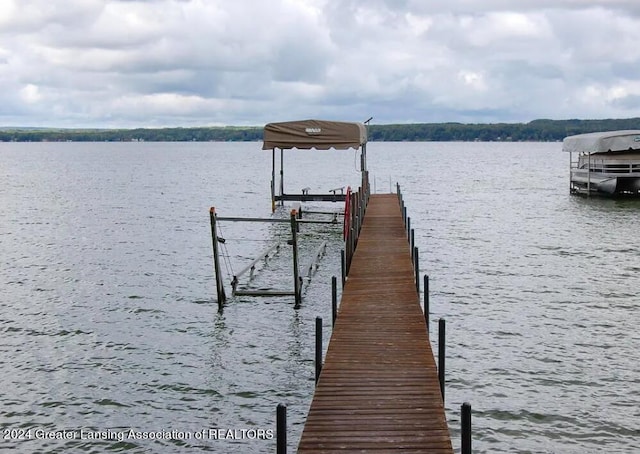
(319, 134)
(601, 142)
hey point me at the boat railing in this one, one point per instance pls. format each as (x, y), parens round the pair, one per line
(604, 166)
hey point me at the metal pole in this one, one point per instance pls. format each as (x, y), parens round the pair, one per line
(354, 226)
(281, 429)
(342, 267)
(273, 180)
(294, 243)
(347, 250)
(356, 200)
(318, 347)
(368, 193)
(360, 212)
(465, 437)
(281, 175)
(412, 240)
(352, 248)
(251, 219)
(570, 170)
(416, 263)
(441, 353)
(216, 259)
(356, 233)
(334, 300)
(426, 301)
(589, 176)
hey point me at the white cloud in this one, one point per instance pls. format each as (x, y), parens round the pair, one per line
(30, 94)
(473, 80)
(198, 62)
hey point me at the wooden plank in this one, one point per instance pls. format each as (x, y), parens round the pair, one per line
(378, 390)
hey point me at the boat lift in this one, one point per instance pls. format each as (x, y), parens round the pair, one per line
(306, 134)
(298, 272)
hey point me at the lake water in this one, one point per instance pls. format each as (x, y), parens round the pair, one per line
(110, 325)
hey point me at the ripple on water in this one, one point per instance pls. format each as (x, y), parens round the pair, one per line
(110, 320)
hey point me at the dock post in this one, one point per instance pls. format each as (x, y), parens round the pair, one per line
(216, 259)
(465, 437)
(357, 212)
(294, 244)
(441, 352)
(356, 232)
(426, 301)
(409, 230)
(412, 242)
(334, 300)
(404, 213)
(342, 267)
(347, 251)
(361, 205)
(318, 347)
(353, 227)
(281, 429)
(351, 250)
(416, 266)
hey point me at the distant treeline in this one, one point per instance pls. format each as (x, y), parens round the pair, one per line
(534, 131)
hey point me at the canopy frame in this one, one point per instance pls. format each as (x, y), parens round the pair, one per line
(313, 134)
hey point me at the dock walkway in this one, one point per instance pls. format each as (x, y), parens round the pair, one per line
(378, 390)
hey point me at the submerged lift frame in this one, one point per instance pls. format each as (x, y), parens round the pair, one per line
(297, 278)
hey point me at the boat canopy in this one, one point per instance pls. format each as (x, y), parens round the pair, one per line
(318, 134)
(602, 142)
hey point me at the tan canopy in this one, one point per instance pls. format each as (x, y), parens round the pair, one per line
(319, 134)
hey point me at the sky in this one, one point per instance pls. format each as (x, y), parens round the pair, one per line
(187, 63)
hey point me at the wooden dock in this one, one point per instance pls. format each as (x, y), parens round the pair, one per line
(378, 390)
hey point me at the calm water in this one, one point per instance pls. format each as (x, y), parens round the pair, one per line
(109, 321)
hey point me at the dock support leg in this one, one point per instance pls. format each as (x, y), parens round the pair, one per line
(334, 300)
(412, 242)
(416, 266)
(465, 441)
(352, 247)
(426, 301)
(441, 353)
(343, 267)
(318, 348)
(216, 259)
(281, 429)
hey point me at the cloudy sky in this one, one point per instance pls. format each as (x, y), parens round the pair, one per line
(154, 63)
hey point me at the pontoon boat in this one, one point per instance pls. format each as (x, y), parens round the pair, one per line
(604, 163)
